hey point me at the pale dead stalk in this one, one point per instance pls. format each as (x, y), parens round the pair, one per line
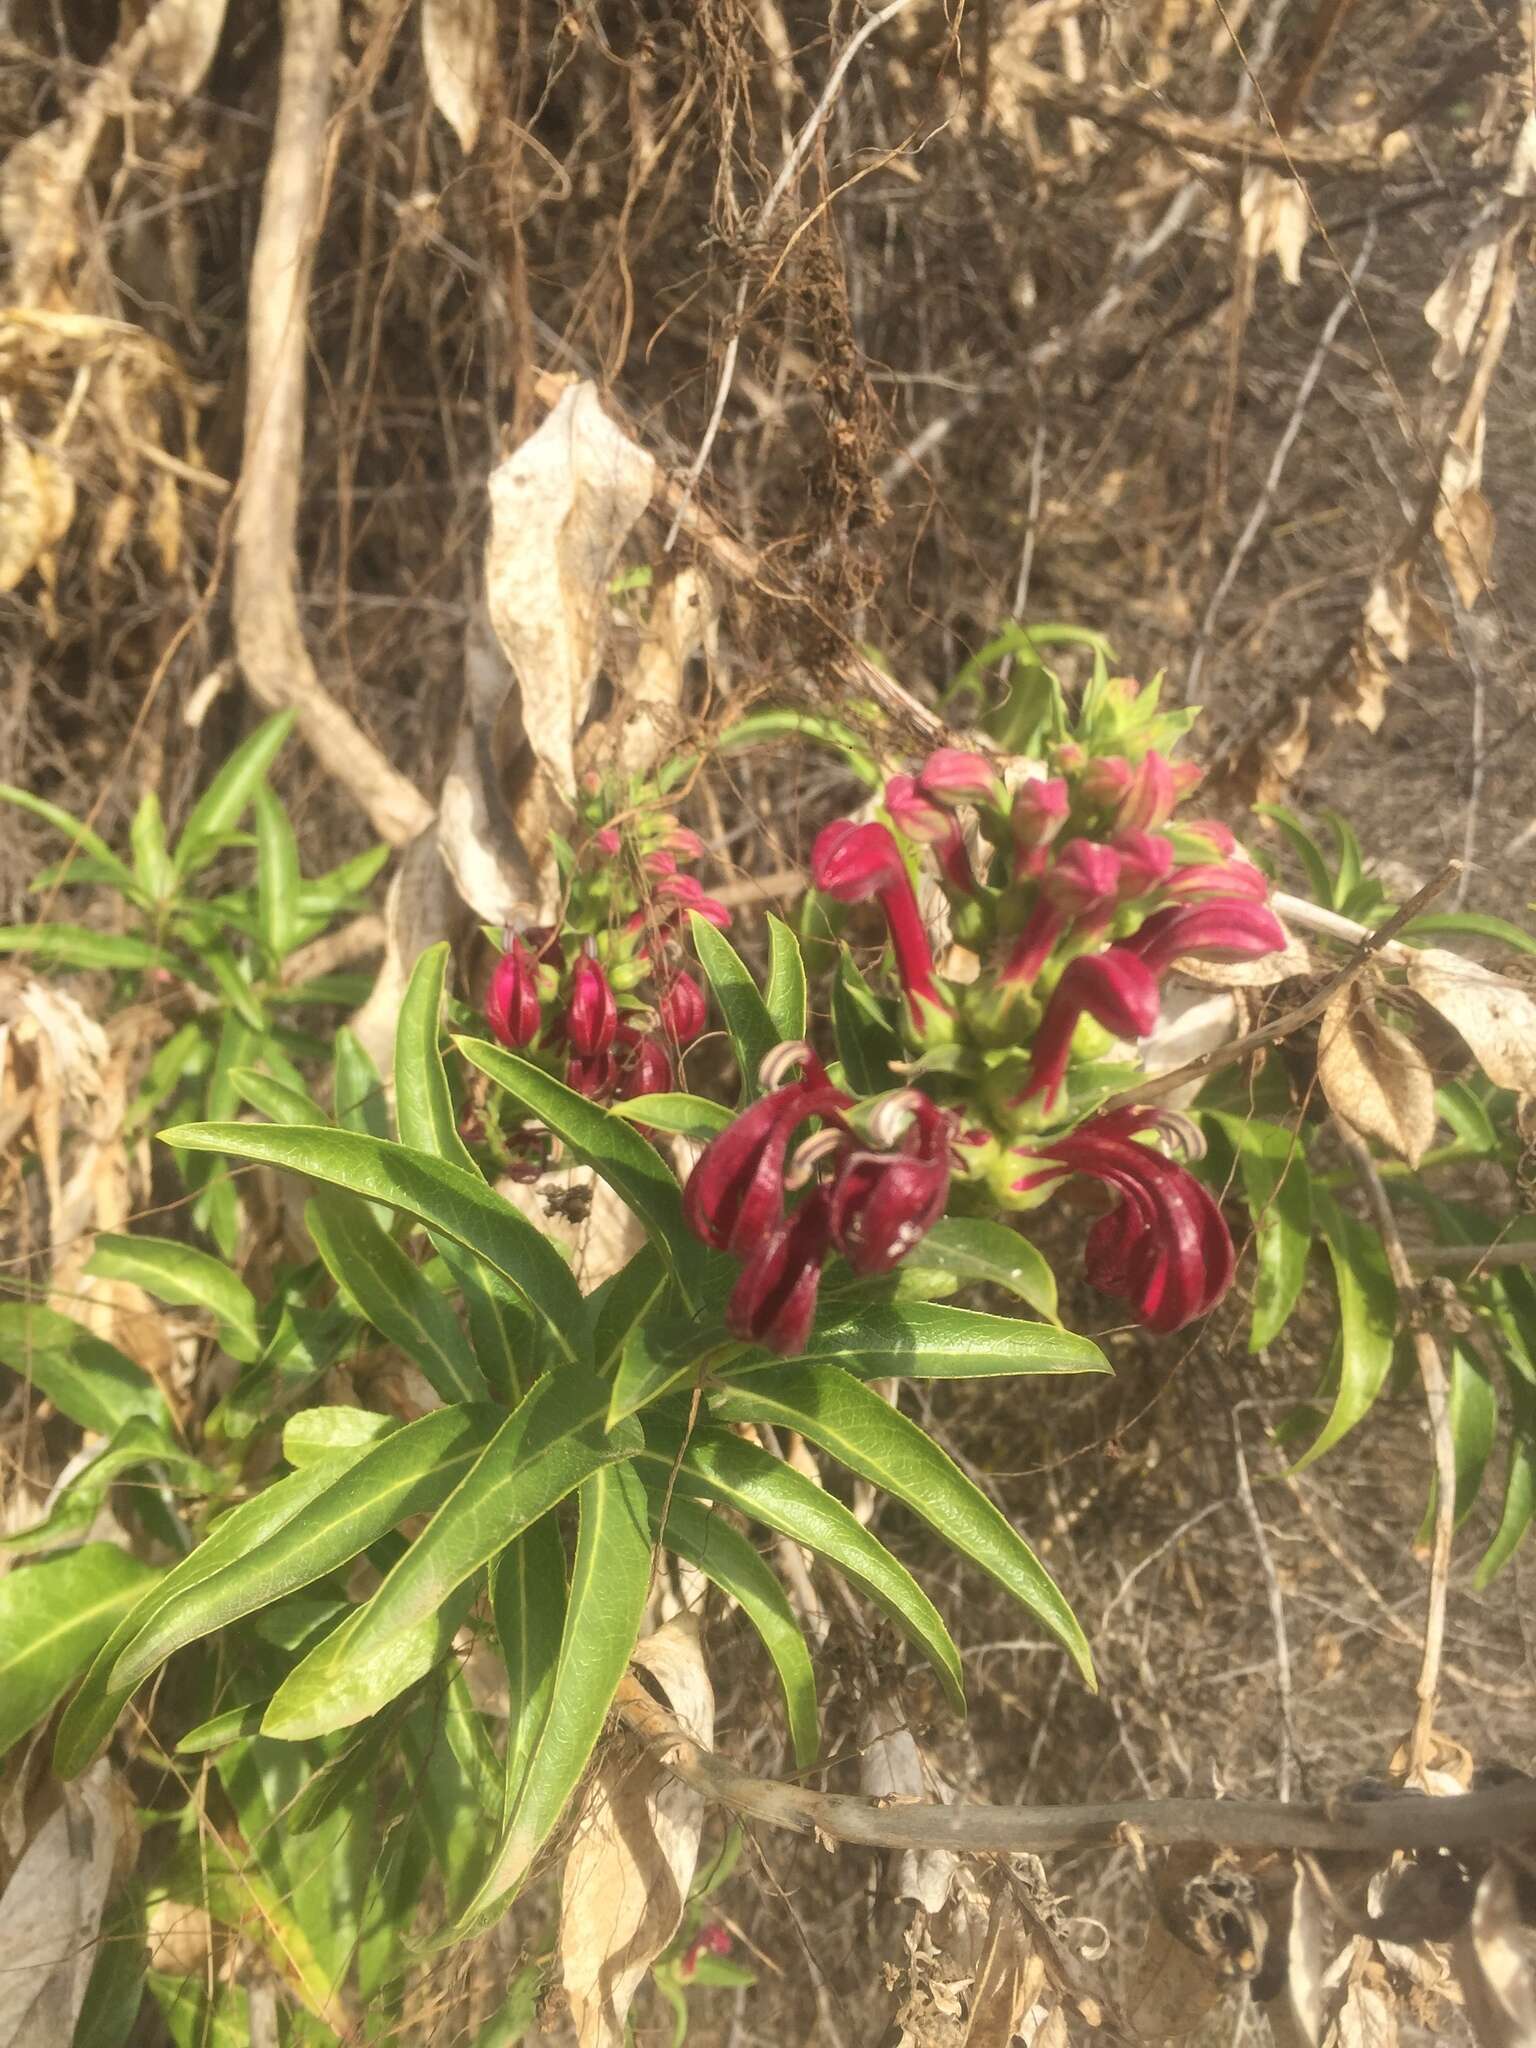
(1371, 1826)
(1437, 1399)
(268, 636)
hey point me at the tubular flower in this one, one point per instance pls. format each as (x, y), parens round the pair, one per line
(594, 1075)
(685, 892)
(644, 1065)
(1201, 881)
(881, 1203)
(774, 1300)
(1078, 894)
(512, 1001)
(591, 1014)
(1163, 1248)
(1231, 928)
(682, 1009)
(1116, 988)
(1146, 862)
(1150, 800)
(1039, 812)
(931, 826)
(951, 772)
(737, 1188)
(850, 863)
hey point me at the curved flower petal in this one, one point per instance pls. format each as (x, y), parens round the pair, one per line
(774, 1300)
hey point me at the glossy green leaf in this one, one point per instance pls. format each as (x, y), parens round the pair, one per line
(845, 1418)
(1278, 1190)
(1474, 1413)
(615, 1307)
(610, 1580)
(54, 1616)
(84, 1377)
(1306, 849)
(680, 1116)
(409, 1473)
(528, 1599)
(357, 1095)
(444, 1197)
(186, 1054)
(222, 805)
(137, 1443)
(1367, 1321)
(1518, 1508)
(109, 2013)
(729, 1561)
(1475, 924)
(550, 1444)
(342, 1681)
(120, 874)
(180, 1273)
(784, 994)
(392, 1294)
(1463, 1109)
(92, 1713)
(233, 1725)
(232, 980)
(650, 1365)
(867, 1044)
(931, 1341)
(634, 1169)
(279, 1100)
(718, 1466)
(752, 1030)
(74, 945)
(277, 875)
(316, 1433)
(151, 857)
(974, 1249)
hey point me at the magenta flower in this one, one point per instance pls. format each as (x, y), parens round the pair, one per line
(851, 863)
(1039, 812)
(684, 842)
(607, 841)
(1146, 861)
(686, 893)
(1218, 837)
(594, 1075)
(1115, 987)
(644, 1065)
(931, 826)
(1163, 1248)
(774, 1300)
(591, 1014)
(1106, 782)
(1202, 880)
(881, 1203)
(512, 1001)
(660, 862)
(1078, 894)
(1153, 793)
(1230, 929)
(736, 1191)
(683, 1009)
(951, 773)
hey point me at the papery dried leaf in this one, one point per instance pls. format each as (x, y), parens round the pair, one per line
(1266, 766)
(22, 509)
(1374, 1077)
(182, 36)
(1495, 1963)
(1496, 1017)
(1290, 1985)
(1276, 220)
(644, 723)
(891, 1768)
(1171, 1989)
(1520, 178)
(561, 507)
(51, 1912)
(626, 1878)
(475, 828)
(56, 496)
(1190, 1024)
(113, 529)
(1361, 693)
(1387, 613)
(458, 47)
(422, 906)
(1463, 521)
(1368, 2016)
(1455, 306)
(164, 522)
(1010, 1977)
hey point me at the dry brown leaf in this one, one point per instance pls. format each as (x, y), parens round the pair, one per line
(458, 47)
(1374, 1077)
(164, 522)
(561, 507)
(1171, 1988)
(1290, 1983)
(421, 907)
(182, 36)
(22, 509)
(1266, 767)
(113, 529)
(1455, 306)
(1010, 1977)
(1276, 220)
(1494, 1964)
(627, 1875)
(584, 1216)
(1368, 2016)
(891, 1768)
(648, 695)
(475, 830)
(1496, 1017)
(1463, 521)
(51, 1913)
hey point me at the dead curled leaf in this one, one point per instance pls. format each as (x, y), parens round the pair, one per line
(1374, 1077)
(627, 1875)
(1493, 1964)
(1463, 521)
(458, 47)
(51, 1913)
(891, 1768)
(1496, 1017)
(1276, 220)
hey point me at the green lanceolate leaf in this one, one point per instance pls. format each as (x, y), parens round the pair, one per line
(1367, 1321)
(222, 805)
(1464, 1110)
(753, 1032)
(393, 1294)
(1475, 924)
(880, 1444)
(974, 1249)
(357, 1093)
(929, 1340)
(725, 1557)
(1278, 1189)
(277, 876)
(92, 1713)
(54, 1616)
(1519, 1504)
(318, 1433)
(867, 1044)
(528, 1602)
(610, 1579)
(116, 872)
(604, 1142)
(75, 945)
(614, 1308)
(151, 858)
(545, 1449)
(341, 1682)
(409, 1473)
(1306, 849)
(136, 1443)
(84, 1377)
(784, 995)
(680, 1116)
(650, 1366)
(443, 1197)
(279, 1100)
(717, 1466)
(1474, 1411)
(179, 1273)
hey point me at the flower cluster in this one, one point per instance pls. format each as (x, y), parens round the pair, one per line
(606, 1001)
(1072, 890)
